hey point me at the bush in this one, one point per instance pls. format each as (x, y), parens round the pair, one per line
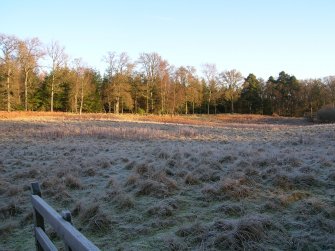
(140, 111)
(326, 114)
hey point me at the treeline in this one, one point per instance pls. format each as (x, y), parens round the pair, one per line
(147, 85)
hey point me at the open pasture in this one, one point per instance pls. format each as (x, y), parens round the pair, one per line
(171, 183)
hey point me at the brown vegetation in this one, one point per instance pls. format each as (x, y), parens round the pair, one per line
(170, 186)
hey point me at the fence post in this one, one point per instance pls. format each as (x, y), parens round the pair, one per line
(66, 215)
(38, 219)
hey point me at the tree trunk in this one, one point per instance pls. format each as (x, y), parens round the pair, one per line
(162, 99)
(147, 108)
(232, 106)
(152, 102)
(26, 91)
(186, 109)
(193, 107)
(209, 101)
(81, 99)
(52, 92)
(8, 91)
(174, 99)
(76, 94)
(135, 103)
(117, 105)
(76, 103)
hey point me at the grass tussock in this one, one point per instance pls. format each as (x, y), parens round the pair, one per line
(152, 188)
(4, 187)
(228, 188)
(205, 183)
(14, 190)
(191, 179)
(12, 209)
(287, 199)
(163, 209)
(195, 233)
(92, 217)
(145, 180)
(7, 228)
(72, 182)
(241, 234)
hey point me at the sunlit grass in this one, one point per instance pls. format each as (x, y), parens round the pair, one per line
(170, 184)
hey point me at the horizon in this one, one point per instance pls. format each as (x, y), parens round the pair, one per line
(253, 37)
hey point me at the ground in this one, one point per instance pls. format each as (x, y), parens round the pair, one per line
(171, 183)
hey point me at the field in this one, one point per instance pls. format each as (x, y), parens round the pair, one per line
(226, 182)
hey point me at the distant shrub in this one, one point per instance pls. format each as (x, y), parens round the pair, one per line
(326, 114)
(140, 111)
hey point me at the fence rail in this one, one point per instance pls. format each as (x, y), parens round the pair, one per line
(73, 239)
(311, 116)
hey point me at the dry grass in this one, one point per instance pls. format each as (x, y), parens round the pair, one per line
(93, 217)
(226, 182)
(203, 120)
(72, 182)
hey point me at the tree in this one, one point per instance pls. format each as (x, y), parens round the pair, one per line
(284, 94)
(86, 85)
(119, 69)
(210, 73)
(29, 53)
(58, 59)
(184, 77)
(312, 94)
(8, 45)
(150, 63)
(251, 95)
(330, 83)
(164, 80)
(232, 80)
(194, 90)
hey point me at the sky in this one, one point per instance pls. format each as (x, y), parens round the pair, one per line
(263, 37)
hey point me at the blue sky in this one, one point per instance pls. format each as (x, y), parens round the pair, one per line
(262, 37)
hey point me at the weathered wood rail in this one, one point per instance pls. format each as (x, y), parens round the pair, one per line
(72, 238)
(311, 116)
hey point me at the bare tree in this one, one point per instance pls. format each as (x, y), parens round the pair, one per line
(194, 89)
(79, 84)
(330, 83)
(184, 76)
(8, 45)
(29, 53)
(232, 80)
(164, 79)
(58, 59)
(150, 63)
(118, 70)
(210, 73)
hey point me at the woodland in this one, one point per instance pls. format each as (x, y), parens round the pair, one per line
(42, 77)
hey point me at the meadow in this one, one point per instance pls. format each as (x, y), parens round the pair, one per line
(225, 182)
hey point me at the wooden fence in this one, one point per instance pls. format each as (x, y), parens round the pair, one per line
(311, 116)
(72, 238)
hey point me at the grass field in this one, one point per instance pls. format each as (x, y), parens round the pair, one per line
(225, 182)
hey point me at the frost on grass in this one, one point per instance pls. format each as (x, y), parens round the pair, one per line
(151, 186)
